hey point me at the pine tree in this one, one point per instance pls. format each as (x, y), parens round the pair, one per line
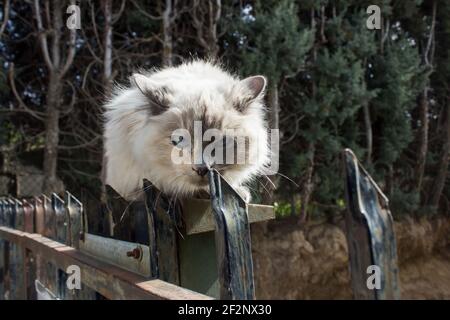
(269, 39)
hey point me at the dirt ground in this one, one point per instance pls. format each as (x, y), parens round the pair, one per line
(427, 278)
(311, 262)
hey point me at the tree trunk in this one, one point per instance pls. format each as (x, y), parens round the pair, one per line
(423, 140)
(439, 182)
(369, 137)
(107, 59)
(307, 179)
(52, 135)
(214, 16)
(307, 183)
(207, 30)
(167, 34)
(423, 109)
(56, 69)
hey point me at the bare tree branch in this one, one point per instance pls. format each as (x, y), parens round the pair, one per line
(78, 146)
(167, 32)
(108, 46)
(431, 36)
(117, 15)
(94, 27)
(145, 13)
(42, 36)
(5, 17)
(72, 48)
(36, 114)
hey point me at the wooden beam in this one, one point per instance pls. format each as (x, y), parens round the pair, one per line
(200, 218)
(162, 220)
(110, 281)
(232, 238)
(17, 258)
(370, 233)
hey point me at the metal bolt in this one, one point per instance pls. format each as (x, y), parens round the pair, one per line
(135, 253)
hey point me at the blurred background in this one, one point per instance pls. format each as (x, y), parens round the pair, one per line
(334, 83)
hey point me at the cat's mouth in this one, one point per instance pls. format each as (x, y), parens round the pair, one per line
(201, 181)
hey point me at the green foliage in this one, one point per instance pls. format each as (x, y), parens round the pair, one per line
(330, 108)
(347, 71)
(272, 43)
(283, 209)
(327, 66)
(403, 203)
(399, 78)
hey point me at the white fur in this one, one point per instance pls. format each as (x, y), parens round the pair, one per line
(137, 147)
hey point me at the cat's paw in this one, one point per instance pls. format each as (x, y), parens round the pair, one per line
(244, 192)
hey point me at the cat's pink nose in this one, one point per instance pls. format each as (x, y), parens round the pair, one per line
(201, 170)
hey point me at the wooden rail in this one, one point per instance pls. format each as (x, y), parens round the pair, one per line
(110, 281)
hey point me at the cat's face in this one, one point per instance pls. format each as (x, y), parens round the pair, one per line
(189, 129)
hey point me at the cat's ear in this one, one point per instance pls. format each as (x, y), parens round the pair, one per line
(255, 85)
(157, 96)
(250, 90)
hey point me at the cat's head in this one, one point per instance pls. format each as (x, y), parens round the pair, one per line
(195, 117)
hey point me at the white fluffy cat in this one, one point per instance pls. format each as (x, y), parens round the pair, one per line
(141, 120)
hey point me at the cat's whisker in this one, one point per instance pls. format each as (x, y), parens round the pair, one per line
(175, 204)
(126, 210)
(134, 199)
(136, 192)
(287, 178)
(271, 182)
(264, 187)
